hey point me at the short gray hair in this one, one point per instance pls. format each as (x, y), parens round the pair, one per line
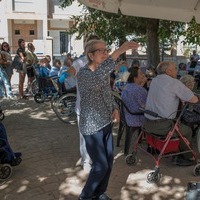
(90, 47)
(161, 68)
(188, 81)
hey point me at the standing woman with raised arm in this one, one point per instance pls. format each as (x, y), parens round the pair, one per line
(98, 112)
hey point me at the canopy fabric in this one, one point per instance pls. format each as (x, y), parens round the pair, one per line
(174, 10)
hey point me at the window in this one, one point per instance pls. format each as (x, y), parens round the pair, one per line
(31, 32)
(23, 5)
(17, 32)
(63, 42)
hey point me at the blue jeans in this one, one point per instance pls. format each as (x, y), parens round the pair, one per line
(6, 146)
(100, 149)
(6, 82)
(2, 90)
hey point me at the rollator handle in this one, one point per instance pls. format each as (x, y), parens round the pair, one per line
(149, 112)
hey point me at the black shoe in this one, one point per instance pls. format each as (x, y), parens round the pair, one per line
(18, 154)
(102, 197)
(15, 161)
(177, 160)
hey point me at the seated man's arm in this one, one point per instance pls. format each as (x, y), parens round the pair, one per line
(194, 99)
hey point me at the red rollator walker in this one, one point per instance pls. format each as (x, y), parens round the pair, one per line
(166, 147)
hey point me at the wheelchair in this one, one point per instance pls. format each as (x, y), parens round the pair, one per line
(64, 103)
(48, 88)
(164, 147)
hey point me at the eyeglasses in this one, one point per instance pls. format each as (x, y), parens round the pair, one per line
(101, 51)
(5, 45)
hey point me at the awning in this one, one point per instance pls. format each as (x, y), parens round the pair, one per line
(174, 10)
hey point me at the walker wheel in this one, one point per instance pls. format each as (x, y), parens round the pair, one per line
(153, 177)
(131, 159)
(5, 171)
(196, 170)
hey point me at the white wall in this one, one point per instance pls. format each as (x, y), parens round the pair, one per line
(77, 45)
(39, 13)
(66, 13)
(56, 41)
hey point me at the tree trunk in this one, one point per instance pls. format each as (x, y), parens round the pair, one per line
(121, 41)
(153, 55)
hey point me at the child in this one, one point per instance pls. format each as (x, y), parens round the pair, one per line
(66, 77)
(121, 76)
(55, 68)
(42, 73)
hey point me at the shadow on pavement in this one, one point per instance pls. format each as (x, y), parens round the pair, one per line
(50, 171)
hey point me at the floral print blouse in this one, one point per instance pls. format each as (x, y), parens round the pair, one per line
(97, 102)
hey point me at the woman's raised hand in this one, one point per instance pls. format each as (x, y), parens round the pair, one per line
(123, 48)
(128, 45)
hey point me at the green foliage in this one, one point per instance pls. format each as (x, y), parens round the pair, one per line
(186, 52)
(65, 3)
(192, 35)
(112, 27)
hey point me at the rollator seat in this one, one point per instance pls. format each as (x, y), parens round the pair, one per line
(158, 142)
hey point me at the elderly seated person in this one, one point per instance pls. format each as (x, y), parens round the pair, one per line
(191, 116)
(134, 96)
(163, 98)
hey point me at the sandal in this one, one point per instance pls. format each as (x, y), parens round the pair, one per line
(24, 97)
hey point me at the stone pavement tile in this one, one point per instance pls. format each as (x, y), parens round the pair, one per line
(46, 196)
(50, 187)
(51, 151)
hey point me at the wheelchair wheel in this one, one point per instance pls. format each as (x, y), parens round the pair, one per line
(198, 139)
(131, 159)
(153, 177)
(196, 170)
(39, 97)
(54, 100)
(5, 171)
(2, 116)
(64, 107)
(34, 88)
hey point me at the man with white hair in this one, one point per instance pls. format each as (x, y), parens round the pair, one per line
(164, 95)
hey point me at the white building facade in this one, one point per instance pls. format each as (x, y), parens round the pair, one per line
(41, 22)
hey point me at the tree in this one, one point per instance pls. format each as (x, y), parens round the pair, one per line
(114, 28)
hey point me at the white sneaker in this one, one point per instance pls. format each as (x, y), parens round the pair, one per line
(87, 167)
(12, 97)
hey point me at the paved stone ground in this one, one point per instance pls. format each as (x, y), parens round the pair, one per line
(50, 171)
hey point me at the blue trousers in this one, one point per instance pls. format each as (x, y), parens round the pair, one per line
(100, 149)
(4, 80)
(5, 144)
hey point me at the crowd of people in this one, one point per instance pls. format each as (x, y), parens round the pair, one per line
(96, 75)
(26, 63)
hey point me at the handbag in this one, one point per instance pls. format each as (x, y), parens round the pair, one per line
(17, 63)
